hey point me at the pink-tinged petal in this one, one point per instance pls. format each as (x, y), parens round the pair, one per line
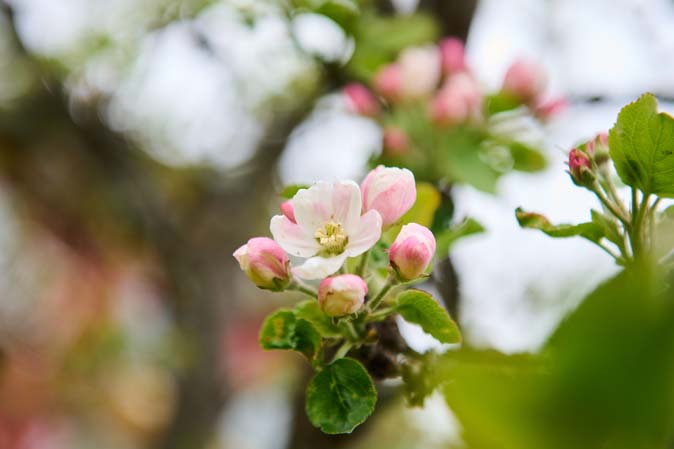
(319, 267)
(313, 206)
(292, 238)
(288, 210)
(346, 204)
(391, 191)
(366, 235)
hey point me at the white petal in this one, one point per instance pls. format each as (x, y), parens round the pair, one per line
(346, 204)
(367, 234)
(313, 206)
(292, 238)
(319, 267)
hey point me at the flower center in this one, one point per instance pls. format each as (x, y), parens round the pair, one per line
(332, 237)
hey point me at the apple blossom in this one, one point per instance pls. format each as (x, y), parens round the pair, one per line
(329, 228)
(524, 80)
(419, 71)
(412, 251)
(288, 210)
(342, 295)
(360, 100)
(452, 54)
(265, 263)
(391, 191)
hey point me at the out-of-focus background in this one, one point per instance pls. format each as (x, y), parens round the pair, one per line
(142, 142)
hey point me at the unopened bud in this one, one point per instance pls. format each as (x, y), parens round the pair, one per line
(452, 54)
(580, 168)
(360, 100)
(412, 251)
(524, 80)
(265, 263)
(388, 82)
(342, 295)
(395, 141)
(391, 191)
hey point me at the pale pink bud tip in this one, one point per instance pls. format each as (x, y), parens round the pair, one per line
(342, 295)
(360, 100)
(452, 53)
(547, 109)
(395, 141)
(265, 263)
(388, 82)
(579, 165)
(390, 191)
(412, 251)
(288, 210)
(459, 100)
(525, 80)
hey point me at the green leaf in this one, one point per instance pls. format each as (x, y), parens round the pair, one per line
(340, 397)
(418, 307)
(589, 230)
(283, 330)
(526, 158)
(608, 226)
(642, 147)
(445, 239)
(501, 102)
(311, 311)
(289, 191)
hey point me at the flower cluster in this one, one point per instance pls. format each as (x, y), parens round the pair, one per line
(324, 225)
(428, 93)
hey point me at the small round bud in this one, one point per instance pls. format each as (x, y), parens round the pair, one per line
(580, 168)
(360, 100)
(459, 100)
(547, 109)
(288, 210)
(524, 80)
(598, 149)
(388, 82)
(395, 141)
(265, 263)
(391, 191)
(412, 251)
(342, 295)
(420, 71)
(452, 55)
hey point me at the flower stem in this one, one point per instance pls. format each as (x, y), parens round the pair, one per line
(343, 350)
(610, 206)
(379, 314)
(363, 263)
(295, 286)
(353, 335)
(390, 282)
(636, 236)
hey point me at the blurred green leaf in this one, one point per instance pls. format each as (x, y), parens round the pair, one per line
(418, 307)
(642, 147)
(501, 102)
(340, 397)
(526, 158)
(608, 226)
(282, 330)
(445, 239)
(344, 12)
(289, 191)
(590, 230)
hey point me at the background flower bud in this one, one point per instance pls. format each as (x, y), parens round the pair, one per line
(452, 55)
(360, 100)
(395, 141)
(419, 71)
(391, 191)
(524, 80)
(412, 251)
(580, 167)
(288, 210)
(387, 82)
(598, 149)
(265, 263)
(459, 100)
(342, 295)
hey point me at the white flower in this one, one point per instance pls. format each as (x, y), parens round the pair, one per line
(329, 228)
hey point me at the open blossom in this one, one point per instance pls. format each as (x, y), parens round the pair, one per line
(391, 191)
(412, 251)
(265, 263)
(360, 100)
(525, 80)
(452, 53)
(342, 295)
(329, 228)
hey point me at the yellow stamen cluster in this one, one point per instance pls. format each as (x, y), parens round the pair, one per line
(332, 237)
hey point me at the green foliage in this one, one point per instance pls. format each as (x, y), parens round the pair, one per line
(289, 191)
(310, 311)
(446, 238)
(340, 397)
(604, 379)
(590, 230)
(418, 307)
(642, 147)
(344, 12)
(501, 102)
(283, 330)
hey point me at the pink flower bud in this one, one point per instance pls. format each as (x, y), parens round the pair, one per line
(342, 295)
(459, 100)
(420, 71)
(452, 54)
(390, 191)
(524, 80)
(395, 141)
(288, 210)
(545, 110)
(360, 100)
(388, 82)
(580, 167)
(265, 263)
(598, 149)
(412, 251)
